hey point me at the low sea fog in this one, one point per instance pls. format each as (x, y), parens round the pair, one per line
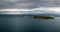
(28, 24)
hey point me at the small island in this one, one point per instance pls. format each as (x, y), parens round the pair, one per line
(43, 17)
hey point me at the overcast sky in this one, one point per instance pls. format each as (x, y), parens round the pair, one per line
(29, 5)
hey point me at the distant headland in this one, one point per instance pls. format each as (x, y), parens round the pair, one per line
(43, 17)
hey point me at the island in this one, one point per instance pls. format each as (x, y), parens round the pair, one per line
(43, 17)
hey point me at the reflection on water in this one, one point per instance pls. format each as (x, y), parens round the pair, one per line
(28, 24)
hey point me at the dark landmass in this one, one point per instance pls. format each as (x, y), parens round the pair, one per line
(43, 17)
(55, 15)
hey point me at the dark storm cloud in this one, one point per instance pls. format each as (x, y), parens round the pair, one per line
(29, 4)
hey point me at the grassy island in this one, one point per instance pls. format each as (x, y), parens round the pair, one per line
(43, 17)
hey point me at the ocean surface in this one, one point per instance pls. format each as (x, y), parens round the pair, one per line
(28, 24)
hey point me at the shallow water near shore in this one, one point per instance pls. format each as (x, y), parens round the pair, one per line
(28, 24)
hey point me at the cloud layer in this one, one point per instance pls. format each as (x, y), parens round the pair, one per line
(28, 4)
(51, 10)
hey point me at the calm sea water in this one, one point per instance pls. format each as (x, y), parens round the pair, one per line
(28, 24)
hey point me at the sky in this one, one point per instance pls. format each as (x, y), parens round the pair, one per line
(30, 5)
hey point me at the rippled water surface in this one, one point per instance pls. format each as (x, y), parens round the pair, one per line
(28, 24)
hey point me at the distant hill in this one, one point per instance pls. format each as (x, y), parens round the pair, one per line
(56, 15)
(31, 14)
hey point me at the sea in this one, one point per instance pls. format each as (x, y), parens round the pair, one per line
(17, 23)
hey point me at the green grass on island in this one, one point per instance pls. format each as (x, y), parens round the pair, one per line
(43, 17)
